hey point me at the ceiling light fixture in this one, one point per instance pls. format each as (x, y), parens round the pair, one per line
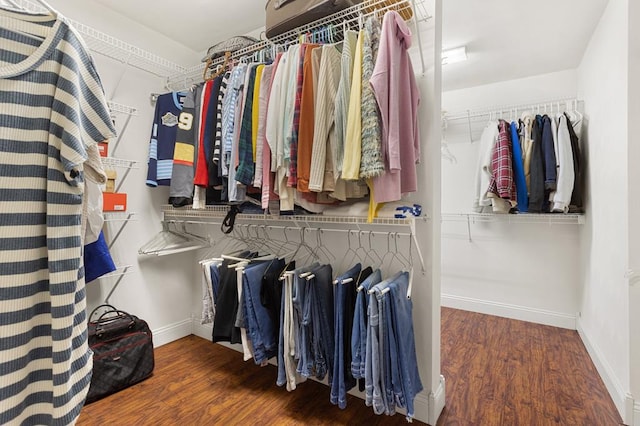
(457, 54)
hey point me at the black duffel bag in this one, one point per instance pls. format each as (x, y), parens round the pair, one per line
(122, 348)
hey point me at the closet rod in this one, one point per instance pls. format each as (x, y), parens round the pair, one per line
(412, 234)
(553, 105)
(292, 227)
(349, 17)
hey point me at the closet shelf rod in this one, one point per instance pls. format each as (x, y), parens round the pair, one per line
(284, 227)
(551, 105)
(349, 17)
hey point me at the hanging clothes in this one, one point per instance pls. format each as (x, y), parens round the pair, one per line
(502, 188)
(566, 174)
(344, 309)
(398, 97)
(292, 180)
(246, 165)
(483, 168)
(269, 143)
(518, 171)
(343, 95)
(550, 164)
(576, 195)
(44, 353)
(359, 328)
(353, 139)
(181, 189)
(307, 121)
(536, 191)
(96, 255)
(371, 164)
(526, 140)
(218, 143)
(163, 138)
(263, 99)
(321, 178)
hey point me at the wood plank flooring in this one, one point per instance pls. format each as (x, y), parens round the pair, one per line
(498, 372)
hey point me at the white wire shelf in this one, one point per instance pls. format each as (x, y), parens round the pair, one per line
(549, 106)
(219, 212)
(347, 18)
(119, 162)
(115, 107)
(120, 271)
(119, 216)
(115, 48)
(542, 218)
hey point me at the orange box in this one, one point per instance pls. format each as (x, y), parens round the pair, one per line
(114, 201)
(103, 149)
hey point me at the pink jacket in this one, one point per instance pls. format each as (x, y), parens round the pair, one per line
(398, 97)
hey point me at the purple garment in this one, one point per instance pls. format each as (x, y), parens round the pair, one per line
(394, 85)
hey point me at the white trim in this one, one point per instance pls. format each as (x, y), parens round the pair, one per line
(506, 310)
(622, 400)
(172, 332)
(202, 330)
(436, 402)
(636, 414)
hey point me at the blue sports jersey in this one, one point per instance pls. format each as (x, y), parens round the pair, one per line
(163, 138)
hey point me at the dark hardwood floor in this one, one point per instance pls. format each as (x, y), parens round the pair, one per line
(498, 372)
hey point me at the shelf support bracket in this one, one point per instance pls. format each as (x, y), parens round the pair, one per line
(415, 241)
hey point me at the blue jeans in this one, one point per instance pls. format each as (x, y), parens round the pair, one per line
(359, 331)
(260, 328)
(402, 323)
(302, 318)
(321, 288)
(215, 281)
(338, 384)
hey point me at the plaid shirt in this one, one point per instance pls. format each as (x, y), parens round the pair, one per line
(502, 182)
(292, 180)
(246, 166)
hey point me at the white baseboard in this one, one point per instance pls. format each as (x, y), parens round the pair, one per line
(522, 313)
(436, 402)
(623, 401)
(202, 330)
(171, 332)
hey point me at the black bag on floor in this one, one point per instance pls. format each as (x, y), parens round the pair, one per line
(122, 348)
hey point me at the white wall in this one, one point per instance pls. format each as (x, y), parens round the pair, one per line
(602, 83)
(523, 271)
(634, 206)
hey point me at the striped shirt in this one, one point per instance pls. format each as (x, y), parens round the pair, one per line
(52, 108)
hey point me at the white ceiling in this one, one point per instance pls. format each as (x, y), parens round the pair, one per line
(505, 39)
(509, 39)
